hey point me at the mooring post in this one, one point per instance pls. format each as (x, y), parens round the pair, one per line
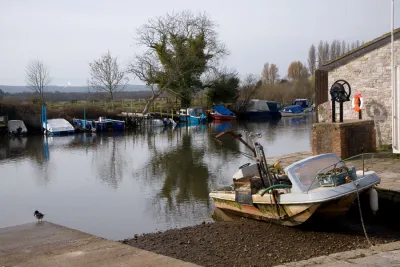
(341, 111)
(45, 118)
(333, 111)
(84, 117)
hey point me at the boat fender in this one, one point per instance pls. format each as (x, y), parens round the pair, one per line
(373, 200)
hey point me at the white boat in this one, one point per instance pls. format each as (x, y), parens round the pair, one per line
(58, 127)
(321, 185)
(16, 128)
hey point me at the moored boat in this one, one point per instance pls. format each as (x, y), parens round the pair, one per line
(292, 111)
(192, 115)
(219, 112)
(58, 126)
(318, 185)
(17, 128)
(263, 109)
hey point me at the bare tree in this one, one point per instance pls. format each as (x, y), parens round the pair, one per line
(312, 57)
(320, 53)
(343, 48)
(38, 77)
(249, 87)
(270, 74)
(265, 76)
(273, 72)
(297, 71)
(106, 76)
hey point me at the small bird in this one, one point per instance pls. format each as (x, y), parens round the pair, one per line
(38, 215)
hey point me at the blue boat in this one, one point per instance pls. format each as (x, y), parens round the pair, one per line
(263, 109)
(101, 125)
(220, 112)
(293, 110)
(194, 114)
(304, 103)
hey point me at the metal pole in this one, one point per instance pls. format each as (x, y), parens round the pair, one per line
(45, 117)
(84, 117)
(393, 78)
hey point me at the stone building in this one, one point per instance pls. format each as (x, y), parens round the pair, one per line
(368, 70)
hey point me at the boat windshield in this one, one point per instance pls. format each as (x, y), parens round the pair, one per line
(308, 172)
(197, 112)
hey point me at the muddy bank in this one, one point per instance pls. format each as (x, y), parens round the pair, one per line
(250, 243)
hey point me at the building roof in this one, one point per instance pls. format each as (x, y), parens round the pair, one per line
(360, 51)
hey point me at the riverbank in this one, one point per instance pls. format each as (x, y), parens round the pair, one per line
(46, 244)
(245, 242)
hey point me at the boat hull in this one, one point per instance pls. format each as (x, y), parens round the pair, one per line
(287, 214)
(223, 117)
(291, 114)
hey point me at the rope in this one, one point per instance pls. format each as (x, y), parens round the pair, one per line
(361, 217)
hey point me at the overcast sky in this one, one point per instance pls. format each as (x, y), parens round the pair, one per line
(67, 35)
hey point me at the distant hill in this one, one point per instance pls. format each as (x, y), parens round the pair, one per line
(70, 89)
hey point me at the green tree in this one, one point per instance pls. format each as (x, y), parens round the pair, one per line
(222, 87)
(180, 48)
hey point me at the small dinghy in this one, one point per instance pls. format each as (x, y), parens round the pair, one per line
(321, 184)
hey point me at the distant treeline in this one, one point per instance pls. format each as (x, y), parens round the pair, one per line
(73, 96)
(324, 52)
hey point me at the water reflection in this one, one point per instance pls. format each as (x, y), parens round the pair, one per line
(151, 178)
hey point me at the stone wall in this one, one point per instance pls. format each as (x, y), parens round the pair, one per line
(370, 75)
(346, 139)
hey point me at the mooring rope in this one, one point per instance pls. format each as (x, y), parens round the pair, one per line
(361, 216)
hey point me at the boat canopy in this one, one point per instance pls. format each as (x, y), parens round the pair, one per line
(58, 125)
(13, 125)
(304, 103)
(303, 173)
(223, 110)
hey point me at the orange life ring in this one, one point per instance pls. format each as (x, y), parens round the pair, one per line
(357, 106)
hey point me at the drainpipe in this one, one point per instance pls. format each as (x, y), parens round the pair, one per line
(395, 133)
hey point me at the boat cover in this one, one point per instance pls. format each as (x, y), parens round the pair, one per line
(58, 125)
(293, 109)
(223, 111)
(14, 124)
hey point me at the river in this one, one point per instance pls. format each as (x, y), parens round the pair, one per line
(121, 184)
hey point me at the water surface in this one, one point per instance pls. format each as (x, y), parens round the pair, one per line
(118, 185)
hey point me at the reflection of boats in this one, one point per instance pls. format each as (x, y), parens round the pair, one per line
(58, 127)
(17, 128)
(291, 196)
(194, 114)
(262, 109)
(219, 112)
(292, 111)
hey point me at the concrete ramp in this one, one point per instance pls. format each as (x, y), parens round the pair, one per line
(45, 244)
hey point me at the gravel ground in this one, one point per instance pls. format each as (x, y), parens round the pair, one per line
(245, 242)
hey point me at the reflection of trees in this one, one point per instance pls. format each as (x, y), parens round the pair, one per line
(110, 160)
(185, 174)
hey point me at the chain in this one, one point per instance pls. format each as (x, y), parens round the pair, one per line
(361, 217)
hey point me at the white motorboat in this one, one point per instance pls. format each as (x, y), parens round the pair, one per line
(321, 184)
